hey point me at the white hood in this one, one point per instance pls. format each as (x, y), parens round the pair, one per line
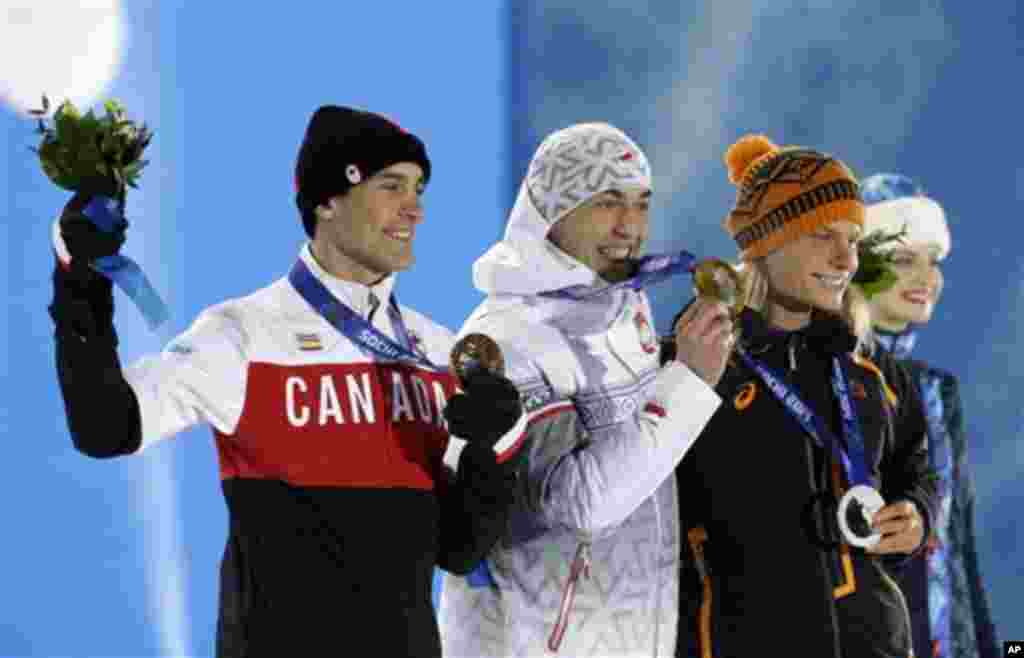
(921, 217)
(895, 203)
(570, 166)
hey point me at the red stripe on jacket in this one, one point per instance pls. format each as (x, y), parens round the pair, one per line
(540, 414)
(349, 425)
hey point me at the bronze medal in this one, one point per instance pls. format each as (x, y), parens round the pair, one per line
(472, 352)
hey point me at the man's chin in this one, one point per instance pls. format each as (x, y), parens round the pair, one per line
(618, 271)
(401, 263)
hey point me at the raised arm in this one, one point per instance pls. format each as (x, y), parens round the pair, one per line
(114, 411)
(587, 483)
(590, 485)
(102, 411)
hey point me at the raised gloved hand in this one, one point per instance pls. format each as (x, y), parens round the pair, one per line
(80, 240)
(83, 300)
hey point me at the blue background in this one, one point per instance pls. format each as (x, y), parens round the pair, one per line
(120, 558)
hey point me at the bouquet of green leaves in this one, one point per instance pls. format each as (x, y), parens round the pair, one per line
(90, 154)
(99, 158)
(875, 274)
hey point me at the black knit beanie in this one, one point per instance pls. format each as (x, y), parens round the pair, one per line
(342, 148)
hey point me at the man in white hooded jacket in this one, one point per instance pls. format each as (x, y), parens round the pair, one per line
(589, 563)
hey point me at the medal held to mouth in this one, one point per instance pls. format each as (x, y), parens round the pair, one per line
(473, 352)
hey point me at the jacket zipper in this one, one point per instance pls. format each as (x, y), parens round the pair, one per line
(903, 604)
(580, 565)
(655, 566)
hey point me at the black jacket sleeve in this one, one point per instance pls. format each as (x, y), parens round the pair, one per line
(906, 468)
(102, 410)
(475, 509)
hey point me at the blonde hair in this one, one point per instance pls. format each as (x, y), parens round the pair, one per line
(856, 311)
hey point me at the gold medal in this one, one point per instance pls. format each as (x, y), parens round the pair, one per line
(472, 352)
(716, 279)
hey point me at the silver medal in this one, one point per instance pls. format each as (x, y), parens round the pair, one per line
(870, 502)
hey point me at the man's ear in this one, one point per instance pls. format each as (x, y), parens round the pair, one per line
(325, 211)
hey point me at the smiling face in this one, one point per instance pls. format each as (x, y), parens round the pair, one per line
(913, 297)
(367, 233)
(607, 232)
(811, 272)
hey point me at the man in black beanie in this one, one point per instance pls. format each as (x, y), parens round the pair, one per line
(330, 406)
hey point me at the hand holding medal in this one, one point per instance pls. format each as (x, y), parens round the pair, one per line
(704, 334)
(900, 527)
(715, 279)
(705, 331)
(857, 509)
(488, 409)
(472, 353)
(866, 521)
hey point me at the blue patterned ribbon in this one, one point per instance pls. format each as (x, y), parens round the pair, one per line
(105, 214)
(358, 330)
(650, 269)
(851, 452)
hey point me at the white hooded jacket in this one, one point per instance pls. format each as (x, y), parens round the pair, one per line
(606, 428)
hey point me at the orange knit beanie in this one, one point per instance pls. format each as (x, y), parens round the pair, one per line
(784, 193)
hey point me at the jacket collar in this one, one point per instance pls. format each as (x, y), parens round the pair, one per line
(899, 345)
(827, 334)
(356, 296)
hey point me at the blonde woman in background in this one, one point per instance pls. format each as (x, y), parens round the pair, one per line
(943, 585)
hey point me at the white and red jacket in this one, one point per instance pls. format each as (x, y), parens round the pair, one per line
(332, 466)
(606, 429)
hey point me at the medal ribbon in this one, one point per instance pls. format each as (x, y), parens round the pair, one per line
(355, 328)
(650, 269)
(851, 452)
(105, 215)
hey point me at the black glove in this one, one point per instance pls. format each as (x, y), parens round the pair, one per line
(84, 240)
(102, 410)
(482, 415)
(486, 411)
(83, 299)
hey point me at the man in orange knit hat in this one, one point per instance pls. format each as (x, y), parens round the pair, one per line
(815, 467)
